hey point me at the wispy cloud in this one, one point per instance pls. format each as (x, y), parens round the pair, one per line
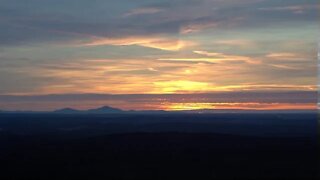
(163, 43)
(181, 86)
(236, 42)
(196, 27)
(143, 11)
(282, 66)
(214, 57)
(298, 9)
(284, 56)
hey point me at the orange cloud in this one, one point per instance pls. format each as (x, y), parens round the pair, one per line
(152, 42)
(167, 75)
(181, 86)
(228, 57)
(131, 76)
(281, 66)
(214, 57)
(283, 55)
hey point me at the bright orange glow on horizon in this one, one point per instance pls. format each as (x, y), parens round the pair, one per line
(167, 106)
(238, 106)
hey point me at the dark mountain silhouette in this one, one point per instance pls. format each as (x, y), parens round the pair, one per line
(105, 109)
(100, 110)
(67, 110)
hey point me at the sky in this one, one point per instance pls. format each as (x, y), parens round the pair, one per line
(159, 54)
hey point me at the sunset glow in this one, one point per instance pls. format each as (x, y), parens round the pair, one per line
(160, 48)
(237, 106)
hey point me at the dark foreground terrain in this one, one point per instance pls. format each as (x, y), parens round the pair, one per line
(175, 146)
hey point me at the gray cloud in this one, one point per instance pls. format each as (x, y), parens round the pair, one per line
(48, 20)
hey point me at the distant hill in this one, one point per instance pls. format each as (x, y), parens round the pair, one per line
(67, 110)
(104, 109)
(100, 110)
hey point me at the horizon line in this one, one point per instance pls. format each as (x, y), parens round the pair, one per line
(60, 110)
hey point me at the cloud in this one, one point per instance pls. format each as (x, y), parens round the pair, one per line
(161, 43)
(281, 66)
(62, 22)
(143, 11)
(236, 42)
(197, 26)
(181, 86)
(298, 9)
(284, 56)
(101, 75)
(214, 57)
(221, 56)
(290, 61)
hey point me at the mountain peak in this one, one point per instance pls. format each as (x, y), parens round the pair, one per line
(105, 109)
(66, 110)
